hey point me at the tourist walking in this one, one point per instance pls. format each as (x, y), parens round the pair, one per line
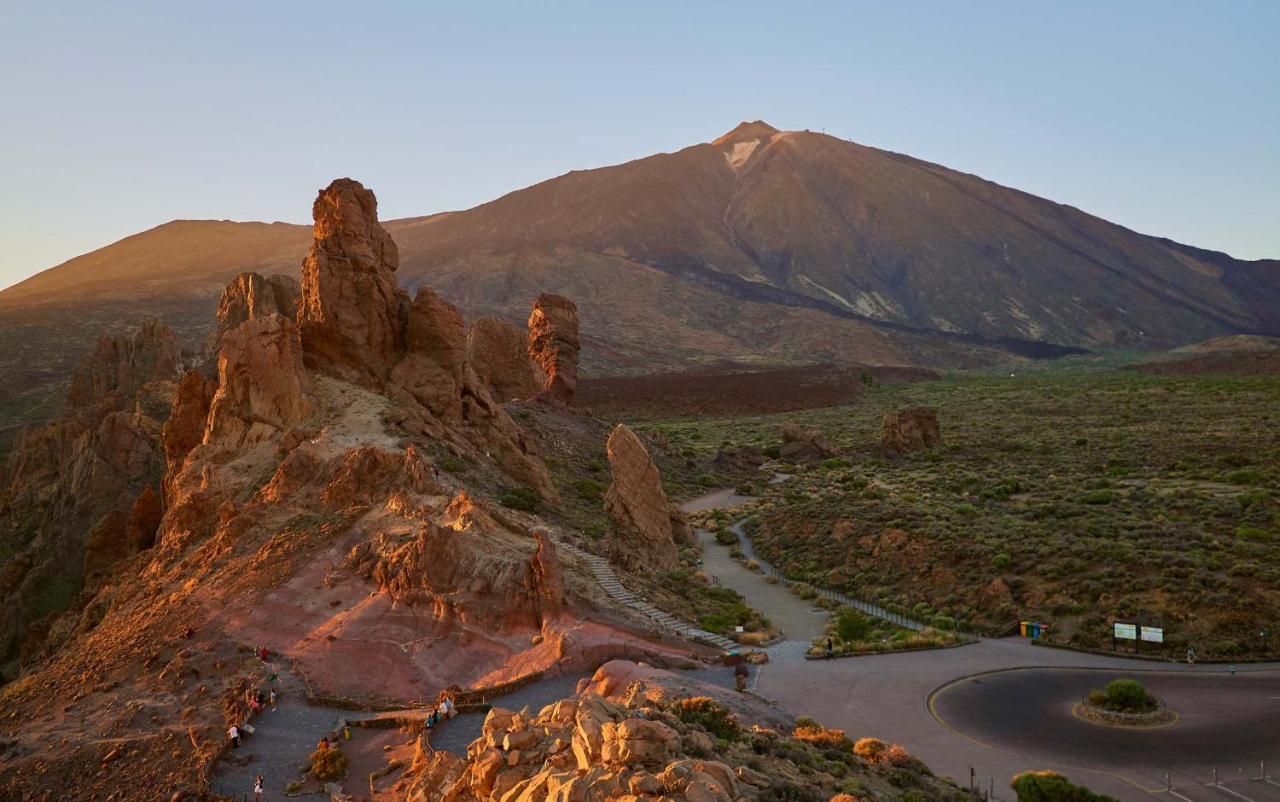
(272, 697)
(257, 789)
(233, 734)
(831, 648)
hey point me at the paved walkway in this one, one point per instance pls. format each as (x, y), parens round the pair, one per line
(799, 620)
(454, 735)
(281, 742)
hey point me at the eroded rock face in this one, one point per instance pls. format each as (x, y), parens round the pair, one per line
(261, 384)
(66, 476)
(473, 573)
(251, 296)
(910, 429)
(554, 344)
(637, 505)
(803, 443)
(432, 368)
(498, 352)
(120, 366)
(184, 430)
(118, 536)
(350, 314)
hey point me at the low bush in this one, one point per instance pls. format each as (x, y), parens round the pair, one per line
(328, 764)
(1049, 786)
(709, 714)
(520, 498)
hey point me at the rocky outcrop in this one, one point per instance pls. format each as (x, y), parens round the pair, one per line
(554, 344)
(803, 444)
(78, 474)
(474, 572)
(118, 536)
(121, 366)
(644, 741)
(261, 384)
(350, 313)
(910, 429)
(251, 296)
(637, 506)
(498, 352)
(184, 430)
(432, 368)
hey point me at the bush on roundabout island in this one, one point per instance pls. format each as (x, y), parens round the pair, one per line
(1124, 696)
(1049, 786)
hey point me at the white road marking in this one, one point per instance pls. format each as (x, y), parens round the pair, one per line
(1180, 796)
(1233, 793)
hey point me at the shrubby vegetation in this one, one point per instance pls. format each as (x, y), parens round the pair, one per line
(1091, 495)
(1048, 786)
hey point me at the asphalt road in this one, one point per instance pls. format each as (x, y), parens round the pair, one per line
(1225, 722)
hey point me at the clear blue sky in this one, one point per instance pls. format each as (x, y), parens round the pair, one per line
(115, 117)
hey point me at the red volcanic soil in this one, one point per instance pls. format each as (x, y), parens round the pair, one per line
(735, 390)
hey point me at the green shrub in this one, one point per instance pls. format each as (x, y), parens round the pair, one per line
(589, 489)
(726, 538)
(520, 498)
(1002, 561)
(706, 480)
(709, 714)
(834, 463)
(1129, 696)
(450, 464)
(1048, 786)
(772, 452)
(1253, 533)
(852, 625)
(1099, 497)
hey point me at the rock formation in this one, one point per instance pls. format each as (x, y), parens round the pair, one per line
(910, 429)
(554, 344)
(498, 352)
(432, 370)
(652, 738)
(261, 383)
(121, 366)
(803, 444)
(252, 296)
(77, 475)
(637, 506)
(350, 313)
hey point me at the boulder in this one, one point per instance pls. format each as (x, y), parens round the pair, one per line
(350, 312)
(637, 506)
(554, 345)
(637, 741)
(803, 443)
(498, 352)
(910, 429)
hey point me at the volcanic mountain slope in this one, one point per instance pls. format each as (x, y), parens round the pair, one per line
(301, 501)
(763, 246)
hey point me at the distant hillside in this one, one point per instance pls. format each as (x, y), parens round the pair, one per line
(763, 247)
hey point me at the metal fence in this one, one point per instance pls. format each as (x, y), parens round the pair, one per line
(873, 610)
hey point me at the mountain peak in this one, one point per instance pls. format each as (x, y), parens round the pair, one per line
(758, 129)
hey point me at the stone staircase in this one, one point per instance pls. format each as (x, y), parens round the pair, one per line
(608, 580)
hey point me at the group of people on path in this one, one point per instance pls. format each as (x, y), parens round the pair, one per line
(443, 711)
(257, 701)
